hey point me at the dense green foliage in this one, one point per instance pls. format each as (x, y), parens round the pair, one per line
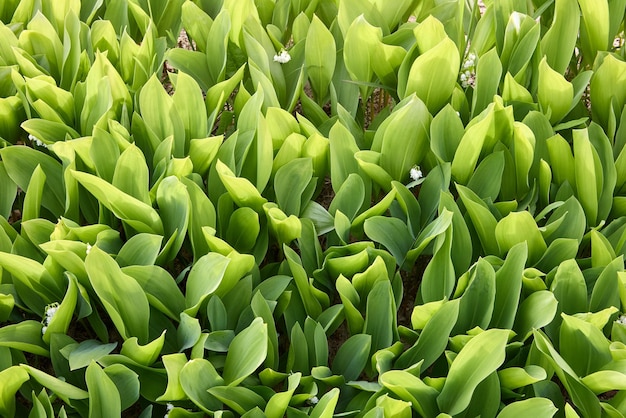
(363, 208)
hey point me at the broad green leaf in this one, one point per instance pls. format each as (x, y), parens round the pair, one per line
(173, 363)
(439, 276)
(482, 219)
(174, 207)
(238, 398)
(325, 408)
(160, 287)
(480, 357)
(62, 389)
(141, 249)
(123, 298)
(392, 233)
(508, 287)
(555, 93)
(434, 88)
(559, 41)
(131, 174)
(594, 31)
(320, 57)
(290, 184)
(536, 311)
(240, 189)
(143, 354)
(433, 339)
(380, 317)
(137, 214)
(246, 353)
(352, 356)
(535, 407)
(583, 345)
(34, 194)
(199, 285)
(104, 399)
(20, 163)
(412, 389)
(196, 377)
(12, 379)
(517, 377)
(519, 227)
(87, 351)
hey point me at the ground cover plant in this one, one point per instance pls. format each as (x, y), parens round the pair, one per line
(312, 208)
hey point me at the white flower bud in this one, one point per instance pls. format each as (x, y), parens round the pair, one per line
(283, 57)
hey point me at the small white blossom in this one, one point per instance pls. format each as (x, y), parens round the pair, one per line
(89, 247)
(283, 57)
(467, 75)
(415, 173)
(313, 400)
(49, 313)
(621, 320)
(37, 141)
(168, 408)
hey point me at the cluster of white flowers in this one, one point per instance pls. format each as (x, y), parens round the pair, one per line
(621, 320)
(37, 141)
(313, 400)
(283, 57)
(468, 71)
(168, 408)
(49, 314)
(415, 173)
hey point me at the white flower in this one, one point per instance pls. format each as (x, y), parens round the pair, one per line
(37, 141)
(168, 408)
(283, 57)
(88, 249)
(313, 400)
(49, 313)
(621, 320)
(415, 173)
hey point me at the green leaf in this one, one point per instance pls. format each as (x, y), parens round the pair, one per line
(240, 189)
(199, 286)
(434, 88)
(508, 287)
(480, 357)
(583, 346)
(62, 389)
(104, 399)
(123, 298)
(517, 377)
(519, 227)
(433, 339)
(554, 92)
(20, 163)
(320, 57)
(34, 194)
(143, 354)
(325, 408)
(198, 376)
(535, 407)
(536, 311)
(291, 182)
(136, 213)
(12, 379)
(559, 41)
(352, 356)
(399, 152)
(141, 249)
(87, 351)
(380, 317)
(246, 353)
